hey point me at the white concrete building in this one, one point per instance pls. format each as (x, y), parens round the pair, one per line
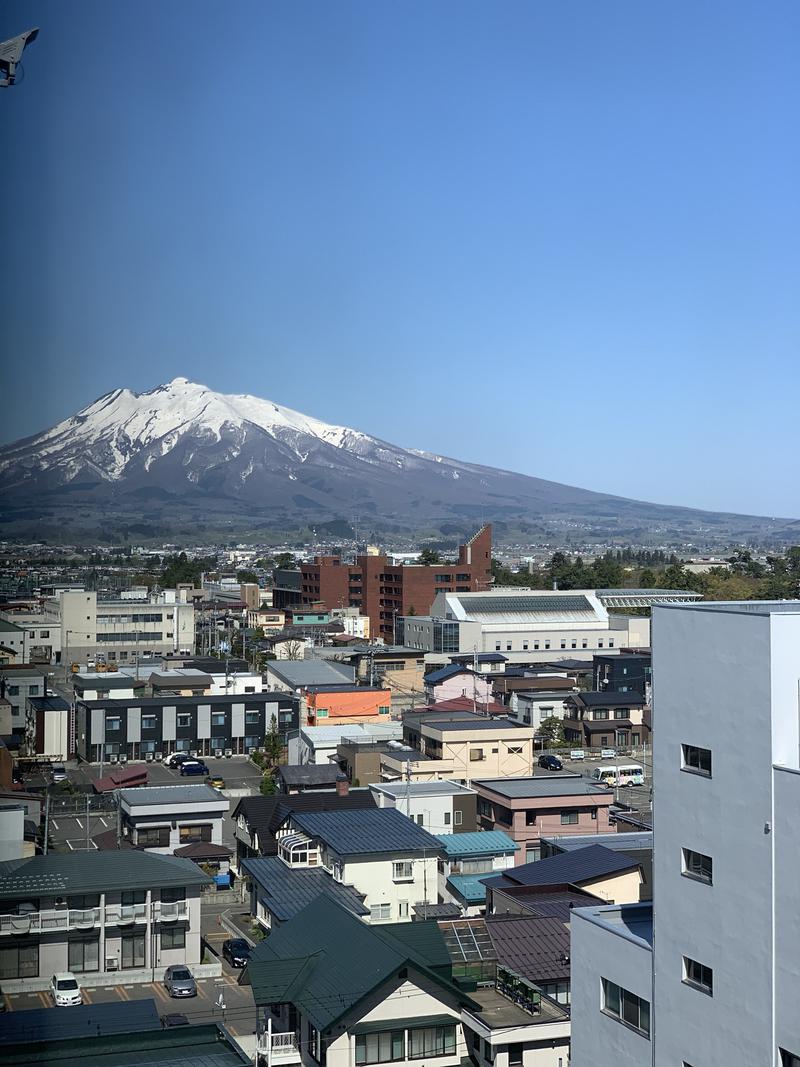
(525, 625)
(721, 975)
(168, 817)
(438, 807)
(318, 744)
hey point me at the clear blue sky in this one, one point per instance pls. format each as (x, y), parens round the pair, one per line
(562, 238)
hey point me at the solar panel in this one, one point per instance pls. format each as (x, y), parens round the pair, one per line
(502, 604)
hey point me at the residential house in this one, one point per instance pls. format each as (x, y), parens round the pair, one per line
(49, 728)
(604, 873)
(528, 809)
(278, 892)
(108, 685)
(637, 846)
(709, 973)
(330, 989)
(9, 655)
(467, 859)
(346, 704)
(624, 673)
(438, 807)
(117, 730)
(167, 818)
(457, 680)
(606, 720)
(387, 858)
(299, 779)
(270, 620)
(257, 819)
(93, 913)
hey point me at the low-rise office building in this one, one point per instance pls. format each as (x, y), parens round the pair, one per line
(150, 729)
(18, 682)
(97, 913)
(528, 809)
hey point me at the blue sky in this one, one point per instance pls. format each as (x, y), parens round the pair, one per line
(560, 238)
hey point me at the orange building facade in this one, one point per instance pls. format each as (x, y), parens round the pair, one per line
(351, 706)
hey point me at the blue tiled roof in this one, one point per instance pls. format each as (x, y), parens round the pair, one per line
(485, 843)
(469, 887)
(353, 833)
(285, 891)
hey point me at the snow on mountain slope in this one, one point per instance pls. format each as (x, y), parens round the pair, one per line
(124, 423)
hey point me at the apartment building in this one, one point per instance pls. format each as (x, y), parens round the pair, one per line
(128, 913)
(528, 809)
(18, 682)
(15, 639)
(385, 591)
(467, 746)
(719, 983)
(114, 730)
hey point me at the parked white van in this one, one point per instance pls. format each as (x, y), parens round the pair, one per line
(627, 774)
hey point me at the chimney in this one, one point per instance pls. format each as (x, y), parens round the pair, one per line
(342, 785)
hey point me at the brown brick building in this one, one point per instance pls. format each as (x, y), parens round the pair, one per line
(383, 591)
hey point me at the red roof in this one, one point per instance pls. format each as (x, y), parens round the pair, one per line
(466, 704)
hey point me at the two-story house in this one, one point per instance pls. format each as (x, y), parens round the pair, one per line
(468, 859)
(469, 746)
(528, 809)
(94, 913)
(388, 859)
(332, 991)
(607, 719)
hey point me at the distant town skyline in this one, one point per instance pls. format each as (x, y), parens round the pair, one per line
(557, 240)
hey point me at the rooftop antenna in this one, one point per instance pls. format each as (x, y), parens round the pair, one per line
(11, 54)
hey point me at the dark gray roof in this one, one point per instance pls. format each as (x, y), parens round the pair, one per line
(103, 681)
(309, 774)
(554, 785)
(535, 946)
(301, 673)
(354, 833)
(609, 699)
(265, 814)
(48, 703)
(568, 868)
(443, 673)
(422, 912)
(84, 872)
(481, 722)
(284, 699)
(201, 793)
(285, 891)
(85, 1020)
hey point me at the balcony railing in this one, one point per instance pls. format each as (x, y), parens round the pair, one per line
(282, 1048)
(66, 919)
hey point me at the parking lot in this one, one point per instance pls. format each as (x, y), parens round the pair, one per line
(637, 797)
(77, 815)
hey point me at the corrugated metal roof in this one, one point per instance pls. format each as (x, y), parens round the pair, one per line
(84, 872)
(359, 832)
(468, 886)
(444, 673)
(624, 842)
(537, 947)
(309, 773)
(554, 785)
(172, 794)
(286, 892)
(482, 843)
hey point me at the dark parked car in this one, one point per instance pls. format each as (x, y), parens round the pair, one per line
(191, 766)
(179, 981)
(550, 763)
(236, 951)
(175, 1019)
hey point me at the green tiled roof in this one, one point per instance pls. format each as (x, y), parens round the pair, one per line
(325, 961)
(95, 872)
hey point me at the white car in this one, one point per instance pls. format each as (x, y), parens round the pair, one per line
(58, 772)
(65, 990)
(174, 759)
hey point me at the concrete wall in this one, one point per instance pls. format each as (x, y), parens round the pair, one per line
(373, 878)
(598, 1040)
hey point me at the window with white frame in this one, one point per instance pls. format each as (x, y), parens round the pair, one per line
(402, 871)
(380, 911)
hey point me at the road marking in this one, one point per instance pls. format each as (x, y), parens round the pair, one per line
(103, 821)
(86, 997)
(78, 821)
(70, 845)
(7, 999)
(121, 992)
(43, 997)
(55, 824)
(161, 993)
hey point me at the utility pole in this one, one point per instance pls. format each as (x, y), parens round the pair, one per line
(87, 822)
(46, 824)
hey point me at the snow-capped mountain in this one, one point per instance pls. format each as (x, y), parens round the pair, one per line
(182, 448)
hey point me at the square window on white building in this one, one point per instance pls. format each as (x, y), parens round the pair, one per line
(380, 911)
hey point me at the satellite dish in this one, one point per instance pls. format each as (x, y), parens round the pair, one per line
(11, 54)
